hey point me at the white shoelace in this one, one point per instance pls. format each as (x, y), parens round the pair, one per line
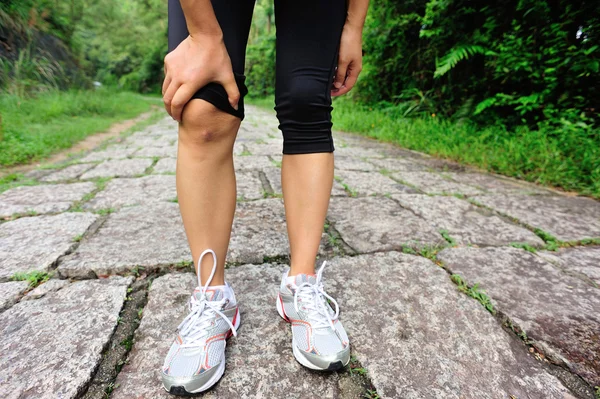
(193, 329)
(313, 298)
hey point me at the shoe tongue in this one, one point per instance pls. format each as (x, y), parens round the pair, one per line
(212, 294)
(305, 278)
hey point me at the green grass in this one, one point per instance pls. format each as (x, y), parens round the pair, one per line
(34, 278)
(554, 157)
(34, 128)
(474, 292)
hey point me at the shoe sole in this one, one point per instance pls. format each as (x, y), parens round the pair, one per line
(180, 390)
(300, 358)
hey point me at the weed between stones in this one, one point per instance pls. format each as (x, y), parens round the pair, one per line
(34, 278)
(474, 292)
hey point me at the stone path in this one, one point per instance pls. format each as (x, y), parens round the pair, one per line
(453, 283)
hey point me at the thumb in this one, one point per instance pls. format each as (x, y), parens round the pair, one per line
(233, 93)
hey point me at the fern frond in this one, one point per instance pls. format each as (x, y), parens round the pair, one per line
(455, 55)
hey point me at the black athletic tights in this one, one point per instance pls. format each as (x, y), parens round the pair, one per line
(308, 37)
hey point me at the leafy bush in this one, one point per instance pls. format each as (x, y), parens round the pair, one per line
(260, 66)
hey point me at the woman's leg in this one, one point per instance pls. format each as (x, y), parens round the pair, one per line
(206, 187)
(308, 37)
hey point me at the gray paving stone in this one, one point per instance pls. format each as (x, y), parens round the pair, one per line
(10, 293)
(434, 183)
(113, 152)
(254, 162)
(259, 231)
(418, 337)
(118, 168)
(264, 342)
(274, 178)
(51, 346)
(557, 311)
(398, 164)
(566, 218)
(35, 243)
(148, 235)
(69, 173)
(161, 152)
(49, 286)
(379, 224)
(149, 141)
(165, 165)
(249, 186)
(357, 152)
(580, 260)
(348, 163)
(371, 183)
(134, 191)
(271, 147)
(50, 198)
(466, 223)
(496, 184)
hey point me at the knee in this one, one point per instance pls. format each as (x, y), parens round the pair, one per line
(203, 124)
(304, 99)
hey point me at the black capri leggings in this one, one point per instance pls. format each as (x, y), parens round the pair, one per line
(308, 38)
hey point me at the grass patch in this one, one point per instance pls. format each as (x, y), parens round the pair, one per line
(34, 278)
(550, 157)
(524, 246)
(34, 128)
(446, 235)
(473, 292)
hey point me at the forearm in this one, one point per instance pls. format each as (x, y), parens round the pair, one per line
(357, 12)
(200, 18)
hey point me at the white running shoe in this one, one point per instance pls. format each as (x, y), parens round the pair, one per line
(196, 360)
(319, 340)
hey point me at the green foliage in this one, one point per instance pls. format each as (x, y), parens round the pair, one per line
(260, 67)
(550, 155)
(473, 292)
(34, 278)
(33, 128)
(525, 61)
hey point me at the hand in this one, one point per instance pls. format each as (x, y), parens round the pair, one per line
(193, 65)
(349, 61)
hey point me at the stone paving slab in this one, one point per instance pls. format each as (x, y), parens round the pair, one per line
(434, 183)
(398, 165)
(371, 183)
(259, 231)
(274, 177)
(271, 147)
(253, 162)
(379, 224)
(148, 235)
(45, 198)
(249, 186)
(466, 223)
(357, 152)
(134, 191)
(557, 311)
(566, 218)
(348, 163)
(51, 346)
(496, 184)
(419, 337)
(118, 168)
(10, 293)
(36, 243)
(69, 173)
(148, 141)
(49, 286)
(165, 165)
(161, 152)
(579, 260)
(113, 152)
(260, 363)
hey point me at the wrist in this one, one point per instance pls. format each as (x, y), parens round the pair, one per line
(355, 26)
(204, 36)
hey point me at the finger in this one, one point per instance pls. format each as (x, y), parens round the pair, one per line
(180, 99)
(168, 96)
(166, 84)
(233, 93)
(340, 74)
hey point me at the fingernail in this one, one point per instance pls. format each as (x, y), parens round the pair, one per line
(337, 85)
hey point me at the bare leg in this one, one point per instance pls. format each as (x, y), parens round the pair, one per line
(206, 182)
(306, 180)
